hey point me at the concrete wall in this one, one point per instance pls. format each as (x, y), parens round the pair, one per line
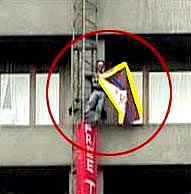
(36, 17)
(56, 16)
(33, 146)
(146, 16)
(171, 146)
(44, 146)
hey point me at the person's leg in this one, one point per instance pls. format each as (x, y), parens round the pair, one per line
(92, 101)
(99, 106)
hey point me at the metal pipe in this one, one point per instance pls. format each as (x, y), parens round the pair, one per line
(83, 56)
(72, 95)
(72, 76)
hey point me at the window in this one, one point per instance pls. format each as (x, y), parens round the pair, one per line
(14, 107)
(181, 99)
(138, 80)
(42, 115)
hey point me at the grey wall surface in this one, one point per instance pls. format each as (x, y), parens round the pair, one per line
(146, 16)
(44, 146)
(36, 17)
(33, 146)
(171, 146)
(55, 16)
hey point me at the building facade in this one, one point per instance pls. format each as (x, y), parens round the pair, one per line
(33, 155)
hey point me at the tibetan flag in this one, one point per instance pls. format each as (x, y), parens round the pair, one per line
(119, 86)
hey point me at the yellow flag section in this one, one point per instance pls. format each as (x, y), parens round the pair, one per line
(117, 96)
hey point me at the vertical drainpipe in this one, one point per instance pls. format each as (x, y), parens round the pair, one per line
(83, 56)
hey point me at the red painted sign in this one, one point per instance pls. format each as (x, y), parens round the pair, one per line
(85, 162)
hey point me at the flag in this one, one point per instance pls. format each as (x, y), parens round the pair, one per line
(119, 86)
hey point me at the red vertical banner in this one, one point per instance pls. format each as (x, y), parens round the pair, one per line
(86, 163)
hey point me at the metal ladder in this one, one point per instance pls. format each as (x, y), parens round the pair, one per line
(83, 58)
(84, 53)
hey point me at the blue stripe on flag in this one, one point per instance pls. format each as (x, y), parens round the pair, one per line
(117, 82)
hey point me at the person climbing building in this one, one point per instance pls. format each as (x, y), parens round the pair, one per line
(94, 111)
